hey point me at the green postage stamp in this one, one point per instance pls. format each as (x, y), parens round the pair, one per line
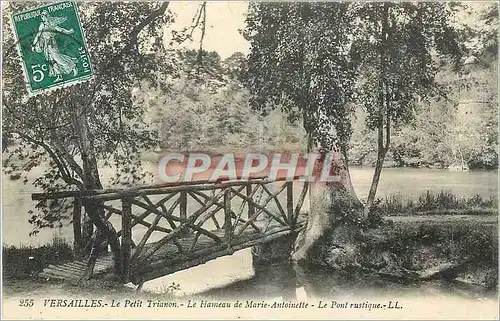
(52, 46)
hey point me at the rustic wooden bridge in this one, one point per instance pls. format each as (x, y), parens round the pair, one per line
(171, 227)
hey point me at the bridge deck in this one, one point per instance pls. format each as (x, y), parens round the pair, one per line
(73, 271)
(170, 258)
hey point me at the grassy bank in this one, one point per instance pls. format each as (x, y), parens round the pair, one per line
(404, 250)
(443, 203)
(414, 240)
(22, 264)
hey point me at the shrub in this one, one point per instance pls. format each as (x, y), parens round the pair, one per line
(430, 201)
(27, 261)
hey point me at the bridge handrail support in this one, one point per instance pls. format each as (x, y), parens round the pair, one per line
(126, 241)
(227, 216)
(289, 204)
(110, 194)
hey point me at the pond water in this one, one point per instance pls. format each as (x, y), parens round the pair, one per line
(235, 275)
(282, 282)
(410, 182)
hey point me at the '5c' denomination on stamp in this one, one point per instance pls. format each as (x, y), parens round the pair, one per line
(52, 46)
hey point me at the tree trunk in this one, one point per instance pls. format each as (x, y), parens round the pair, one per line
(342, 164)
(321, 197)
(92, 181)
(78, 242)
(382, 151)
(383, 110)
(87, 233)
(106, 230)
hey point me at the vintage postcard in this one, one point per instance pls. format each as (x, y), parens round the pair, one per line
(249, 160)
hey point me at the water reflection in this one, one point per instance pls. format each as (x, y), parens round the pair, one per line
(285, 281)
(276, 280)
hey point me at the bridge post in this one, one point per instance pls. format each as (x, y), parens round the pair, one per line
(126, 238)
(183, 209)
(251, 208)
(227, 215)
(77, 227)
(289, 204)
(183, 205)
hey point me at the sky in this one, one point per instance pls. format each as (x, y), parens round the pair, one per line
(224, 19)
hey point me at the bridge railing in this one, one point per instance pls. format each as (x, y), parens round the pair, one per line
(186, 223)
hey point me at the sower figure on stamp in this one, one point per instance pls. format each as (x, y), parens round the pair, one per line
(45, 42)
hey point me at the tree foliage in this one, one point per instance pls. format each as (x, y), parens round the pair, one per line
(400, 46)
(301, 61)
(317, 60)
(462, 127)
(211, 112)
(69, 130)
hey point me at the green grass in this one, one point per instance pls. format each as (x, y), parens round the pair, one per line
(21, 264)
(27, 261)
(443, 202)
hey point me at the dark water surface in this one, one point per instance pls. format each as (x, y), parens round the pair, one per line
(284, 281)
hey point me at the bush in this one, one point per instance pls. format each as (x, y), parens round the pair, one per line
(26, 261)
(423, 245)
(444, 202)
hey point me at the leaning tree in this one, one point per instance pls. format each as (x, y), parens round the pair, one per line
(70, 130)
(301, 60)
(401, 47)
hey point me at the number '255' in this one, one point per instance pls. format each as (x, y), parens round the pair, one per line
(26, 303)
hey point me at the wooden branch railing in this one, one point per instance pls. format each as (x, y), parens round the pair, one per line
(126, 238)
(181, 221)
(112, 193)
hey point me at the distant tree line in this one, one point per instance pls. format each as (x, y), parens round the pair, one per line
(459, 129)
(209, 109)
